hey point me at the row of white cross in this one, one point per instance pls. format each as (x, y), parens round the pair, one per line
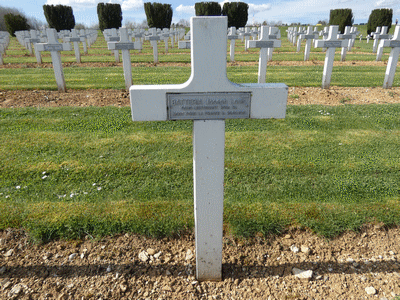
(85, 36)
(4, 42)
(267, 42)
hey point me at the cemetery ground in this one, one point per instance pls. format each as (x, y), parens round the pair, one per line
(95, 206)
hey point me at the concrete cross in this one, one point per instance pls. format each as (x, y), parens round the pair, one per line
(346, 36)
(55, 48)
(125, 45)
(381, 44)
(153, 38)
(208, 98)
(331, 43)
(264, 43)
(75, 39)
(394, 43)
(232, 36)
(245, 35)
(382, 35)
(34, 39)
(308, 36)
(165, 37)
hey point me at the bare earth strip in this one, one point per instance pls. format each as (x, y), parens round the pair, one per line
(297, 96)
(361, 265)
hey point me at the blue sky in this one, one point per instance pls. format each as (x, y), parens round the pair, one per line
(286, 11)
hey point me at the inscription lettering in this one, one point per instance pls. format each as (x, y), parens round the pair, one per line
(208, 106)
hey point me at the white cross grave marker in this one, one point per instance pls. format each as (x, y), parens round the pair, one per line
(33, 40)
(308, 36)
(380, 34)
(125, 45)
(154, 38)
(331, 43)
(55, 48)
(208, 98)
(394, 43)
(346, 36)
(232, 36)
(264, 43)
(75, 39)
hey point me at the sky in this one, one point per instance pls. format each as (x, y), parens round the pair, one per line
(285, 11)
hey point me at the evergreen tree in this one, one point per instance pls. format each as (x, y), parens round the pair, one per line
(379, 17)
(158, 15)
(341, 17)
(237, 13)
(207, 9)
(59, 17)
(15, 23)
(110, 15)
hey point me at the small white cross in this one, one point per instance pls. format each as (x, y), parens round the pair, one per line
(154, 38)
(208, 98)
(75, 39)
(232, 36)
(394, 43)
(331, 43)
(125, 45)
(55, 48)
(264, 43)
(308, 36)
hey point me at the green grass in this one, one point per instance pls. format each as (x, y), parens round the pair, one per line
(68, 172)
(113, 77)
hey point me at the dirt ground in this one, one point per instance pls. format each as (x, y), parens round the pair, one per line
(297, 96)
(362, 265)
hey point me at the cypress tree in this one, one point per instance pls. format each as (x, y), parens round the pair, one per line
(15, 23)
(237, 13)
(158, 15)
(341, 17)
(379, 17)
(207, 9)
(59, 17)
(110, 15)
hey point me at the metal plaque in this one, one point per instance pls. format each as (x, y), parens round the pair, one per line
(208, 106)
(54, 47)
(261, 44)
(334, 44)
(394, 44)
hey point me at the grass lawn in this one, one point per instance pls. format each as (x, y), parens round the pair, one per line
(67, 172)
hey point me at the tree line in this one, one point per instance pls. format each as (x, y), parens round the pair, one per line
(159, 15)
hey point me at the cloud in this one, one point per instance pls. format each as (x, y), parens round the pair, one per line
(256, 8)
(132, 5)
(386, 3)
(185, 9)
(125, 4)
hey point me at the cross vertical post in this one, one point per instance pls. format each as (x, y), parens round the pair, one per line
(125, 45)
(55, 48)
(264, 43)
(394, 43)
(232, 36)
(331, 43)
(208, 98)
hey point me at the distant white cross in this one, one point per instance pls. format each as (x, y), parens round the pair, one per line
(394, 43)
(208, 98)
(264, 43)
(125, 45)
(308, 36)
(154, 38)
(55, 48)
(331, 43)
(75, 39)
(232, 36)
